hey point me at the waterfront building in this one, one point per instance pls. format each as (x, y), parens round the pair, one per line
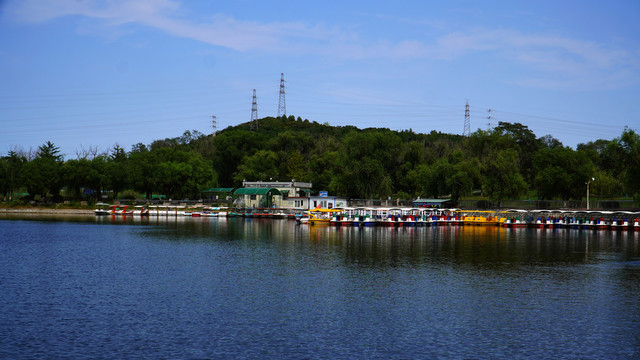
(275, 194)
(324, 201)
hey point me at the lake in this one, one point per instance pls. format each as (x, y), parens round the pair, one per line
(103, 287)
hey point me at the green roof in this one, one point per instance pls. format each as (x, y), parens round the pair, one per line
(218, 190)
(257, 191)
(431, 201)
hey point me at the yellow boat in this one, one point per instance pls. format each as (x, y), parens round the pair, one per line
(321, 216)
(484, 218)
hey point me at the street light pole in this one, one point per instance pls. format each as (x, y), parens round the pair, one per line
(592, 179)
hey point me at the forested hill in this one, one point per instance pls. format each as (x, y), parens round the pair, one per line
(509, 161)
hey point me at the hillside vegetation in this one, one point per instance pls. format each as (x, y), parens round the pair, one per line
(507, 162)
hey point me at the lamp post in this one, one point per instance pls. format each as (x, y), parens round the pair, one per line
(588, 182)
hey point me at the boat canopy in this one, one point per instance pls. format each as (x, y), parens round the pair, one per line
(322, 210)
(433, 202)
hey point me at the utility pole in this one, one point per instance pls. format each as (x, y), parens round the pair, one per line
(215, 124)
(254, 112)
(489, 118)
(467, 121)
(282, 104)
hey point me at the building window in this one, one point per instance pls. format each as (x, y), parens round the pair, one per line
(252, 197)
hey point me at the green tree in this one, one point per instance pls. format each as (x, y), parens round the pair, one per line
(96, 178)
(261, 166)
(324, 169)
(74, 173)
(629, 141)
(49, 151)
(231, 147)
(562, 172)
(184, 179)
(606, 185)
(364, 178)
(527, 143)
(11, 173)
(117, 176)
(5, 182)
(141, 167)
(297, 167)
(421, 180)
(502, 178)
(43, 175)
(367, 162)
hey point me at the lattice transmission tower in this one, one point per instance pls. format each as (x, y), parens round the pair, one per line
(282, 104)
(254, 112)
(467, 121)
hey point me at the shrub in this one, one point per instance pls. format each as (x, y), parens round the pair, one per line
(128, 194)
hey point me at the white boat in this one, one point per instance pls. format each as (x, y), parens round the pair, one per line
(302, 219)
(364, 217)
(102, 209)
(141, 210)
(210, 211)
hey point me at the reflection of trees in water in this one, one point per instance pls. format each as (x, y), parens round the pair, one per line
(474, 245)
(487, 247)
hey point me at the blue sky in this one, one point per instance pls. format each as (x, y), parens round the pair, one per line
(84, 73)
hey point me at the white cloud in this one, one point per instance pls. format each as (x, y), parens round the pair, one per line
(166, 15)
(556, 59)
(561, 62)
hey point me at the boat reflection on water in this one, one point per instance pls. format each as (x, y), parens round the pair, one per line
(474, 245)
(457, 244)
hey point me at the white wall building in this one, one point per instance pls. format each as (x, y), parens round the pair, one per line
(325, 201)
(293, 194)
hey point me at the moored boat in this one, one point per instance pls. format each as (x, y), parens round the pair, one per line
(102, 209)
(602, 224)
(320, 216)
(514, 222)
(124, 211)
(141, 210)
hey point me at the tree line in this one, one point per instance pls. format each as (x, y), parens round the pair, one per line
(507, 162)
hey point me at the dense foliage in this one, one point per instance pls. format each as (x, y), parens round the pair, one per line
(507, 162)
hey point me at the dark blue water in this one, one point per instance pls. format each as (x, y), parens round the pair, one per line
(217, 288)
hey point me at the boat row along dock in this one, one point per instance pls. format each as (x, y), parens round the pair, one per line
(395, 217)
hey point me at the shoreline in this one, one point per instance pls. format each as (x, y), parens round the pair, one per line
(46, 211)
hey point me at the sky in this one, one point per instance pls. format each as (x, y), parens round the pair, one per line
(92, 74)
